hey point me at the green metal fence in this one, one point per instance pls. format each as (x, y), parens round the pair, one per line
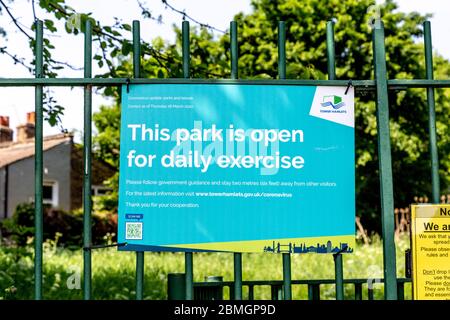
(210, 290)
(393, 287)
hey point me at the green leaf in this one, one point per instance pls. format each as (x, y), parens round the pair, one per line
(49, 25)
(126, 48)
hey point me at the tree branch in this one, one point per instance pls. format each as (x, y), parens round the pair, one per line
(34, 10)
(15, 20)
(16, 59)
(111, 71)
(147, 14)
(185, 15)
(97, 30)
(66, 64)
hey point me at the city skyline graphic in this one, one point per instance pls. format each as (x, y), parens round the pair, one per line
(290, 247)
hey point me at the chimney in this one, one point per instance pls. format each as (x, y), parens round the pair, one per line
(26, 131)
(6, 133)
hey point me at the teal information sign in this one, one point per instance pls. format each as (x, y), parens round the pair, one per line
(237, 167)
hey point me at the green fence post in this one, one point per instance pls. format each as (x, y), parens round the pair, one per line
(287, 286)
(188, 256)
(281, 50)
(251, 292)
(338, 264)
(339, 276)
(237, 276)
(286, 257)
(358, 291)
(370, 294)
(431, 114)
(186, 49)
(331, 64)
(401, 290)
(176, 283)
(189, 271)
(87, 231)
(313, 291)
(137, 74)
(38, 164)
(385, 164)
(276, 292)
(234, 75)
(234, 49)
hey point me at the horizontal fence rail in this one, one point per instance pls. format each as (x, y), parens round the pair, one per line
(393, 84)
(280, 289)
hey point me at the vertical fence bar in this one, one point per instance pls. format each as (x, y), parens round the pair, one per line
(358, 291)
(140, 262)
(338, 264)
(276, 292)
(251, 292)
(339, 276)
(234, 75)
(431, 114)
(38, 164)
(282, 50)
(189, 270)
(287, 286)
(136, 49)
(87, 231)
(310, 292)
(331, 64)
(237, 276)
(401, 291)
(139, 275)
(385, 164)
(186, 50)
(234, 49)
(313, 291)
(370, 294)
(188, 256)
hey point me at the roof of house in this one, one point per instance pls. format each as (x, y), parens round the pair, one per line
(11, 152)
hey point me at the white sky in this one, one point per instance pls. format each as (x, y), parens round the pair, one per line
(16, 102)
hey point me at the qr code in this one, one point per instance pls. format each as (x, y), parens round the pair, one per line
(133, 231)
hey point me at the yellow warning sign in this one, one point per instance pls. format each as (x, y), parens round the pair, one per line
(430, 234)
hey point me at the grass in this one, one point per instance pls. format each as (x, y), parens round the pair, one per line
(113, 272)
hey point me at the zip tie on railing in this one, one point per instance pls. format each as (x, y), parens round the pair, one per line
(340, 251)
(128, 85)
(101, 246)
(349, 84)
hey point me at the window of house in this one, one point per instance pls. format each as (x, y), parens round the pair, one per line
(50, 193)
(47, 193)
(99, 190)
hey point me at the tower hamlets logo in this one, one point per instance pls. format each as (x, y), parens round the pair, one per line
(333, 101)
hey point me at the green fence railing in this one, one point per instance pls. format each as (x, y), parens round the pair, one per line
(211, 290)
(381, 85)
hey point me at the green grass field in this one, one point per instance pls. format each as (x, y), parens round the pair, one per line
(113, 271)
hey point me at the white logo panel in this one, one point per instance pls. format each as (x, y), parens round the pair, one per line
(332, 104)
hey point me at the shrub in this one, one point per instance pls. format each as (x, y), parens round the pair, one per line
(113, 271)
(68, 226)
(21, 225)
(104, 227)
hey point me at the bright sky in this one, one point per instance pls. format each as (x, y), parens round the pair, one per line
(218, 13)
